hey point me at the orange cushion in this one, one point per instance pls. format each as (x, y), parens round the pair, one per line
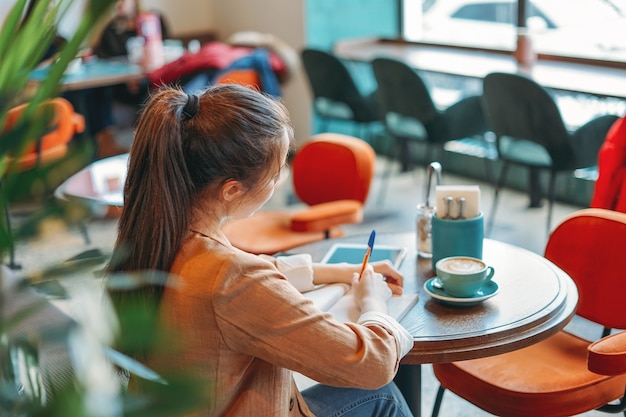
(325, 216)
(54, 144)
(549, 378)
(269, 232)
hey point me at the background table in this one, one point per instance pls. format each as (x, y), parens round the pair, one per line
(96, 72)
(99, 186)
(536, 299)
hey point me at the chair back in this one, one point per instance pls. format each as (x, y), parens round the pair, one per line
(332, 166)
(402, 91)
(63, 124)
(520, 109)
(333, 85)
(610, 189)
(590, 246)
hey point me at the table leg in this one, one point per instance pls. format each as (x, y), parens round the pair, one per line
(78, 100)
(409, 381)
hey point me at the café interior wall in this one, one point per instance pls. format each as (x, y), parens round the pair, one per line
(284, 19)
(317, 23)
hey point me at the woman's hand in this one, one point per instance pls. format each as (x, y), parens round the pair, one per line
(393, 277)
(343, 272)
(371, 292)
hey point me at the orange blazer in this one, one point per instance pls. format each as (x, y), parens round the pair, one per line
(244, 328)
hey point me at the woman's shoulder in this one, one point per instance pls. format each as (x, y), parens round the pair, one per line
(202, 252)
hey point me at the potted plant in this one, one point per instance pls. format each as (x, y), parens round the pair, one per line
(90, 383)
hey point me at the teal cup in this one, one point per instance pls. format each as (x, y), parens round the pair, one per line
(457, 237)
(463, 276)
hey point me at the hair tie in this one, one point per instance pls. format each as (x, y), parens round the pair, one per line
(191, 106)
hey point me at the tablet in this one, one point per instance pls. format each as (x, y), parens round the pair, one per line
(354, 253)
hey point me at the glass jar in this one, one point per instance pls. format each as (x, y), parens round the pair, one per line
(423, 230)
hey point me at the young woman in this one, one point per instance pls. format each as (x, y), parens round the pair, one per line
(197, 161)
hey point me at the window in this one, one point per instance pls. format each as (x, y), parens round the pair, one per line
(591, 29)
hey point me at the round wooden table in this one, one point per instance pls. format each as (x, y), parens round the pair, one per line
(535, 300)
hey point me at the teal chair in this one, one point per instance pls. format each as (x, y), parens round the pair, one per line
(530, 132)
(336, 95)
(410, 114)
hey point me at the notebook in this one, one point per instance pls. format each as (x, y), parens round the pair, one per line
(339, 300)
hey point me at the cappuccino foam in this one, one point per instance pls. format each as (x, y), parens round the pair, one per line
(462, 266)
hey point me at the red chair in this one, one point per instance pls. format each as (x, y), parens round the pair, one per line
(63, 124)
(332, 174)
(610, 189)
(565, 374)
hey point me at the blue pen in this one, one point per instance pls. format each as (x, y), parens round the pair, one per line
(370, 247)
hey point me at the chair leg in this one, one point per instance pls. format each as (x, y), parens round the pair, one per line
(551, 199)
(438, 399)
(490, 171)
(490, 156)
(12, 264)
(535, 194)
(82, 226)
(393, 153)
(496, 195)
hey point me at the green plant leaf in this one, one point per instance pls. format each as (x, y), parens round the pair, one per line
(133, 366)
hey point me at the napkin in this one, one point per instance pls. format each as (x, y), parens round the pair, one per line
(471, 207)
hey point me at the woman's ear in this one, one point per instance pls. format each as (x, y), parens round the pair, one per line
(232, 190)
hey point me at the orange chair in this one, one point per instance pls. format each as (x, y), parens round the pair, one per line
(332, 174)
(563, 375)
(62, 125)
(246, 77)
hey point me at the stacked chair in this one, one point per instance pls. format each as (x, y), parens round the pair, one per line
(410, 114)
(336, 95)
(530, 132)
(565, 374)
(332, 174)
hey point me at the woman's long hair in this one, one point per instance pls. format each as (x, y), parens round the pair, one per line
(186, 146)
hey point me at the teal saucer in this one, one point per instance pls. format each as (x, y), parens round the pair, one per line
(487, 291)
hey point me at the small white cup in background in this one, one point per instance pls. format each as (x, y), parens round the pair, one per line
(194, 46)
(74, 67)
(134, 49)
